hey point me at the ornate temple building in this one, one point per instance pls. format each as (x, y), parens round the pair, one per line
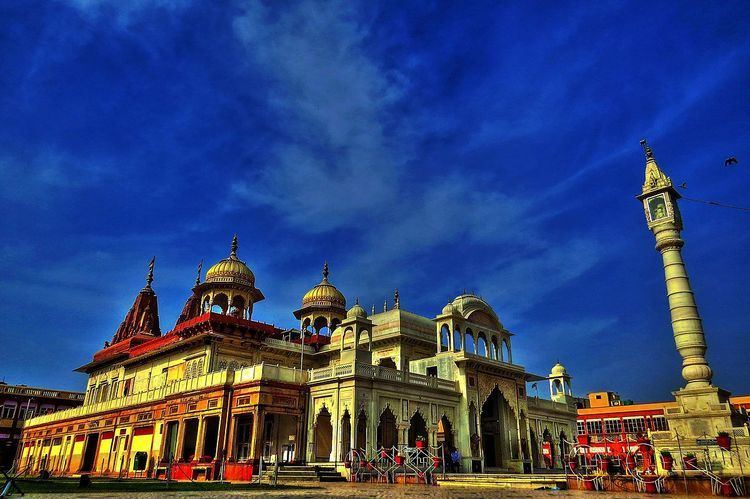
(220, 391)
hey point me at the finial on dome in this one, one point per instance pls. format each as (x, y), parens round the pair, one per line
(396, 303)
(233, 253)
(325, 271)
(385, 305)
(198, 277)
(647, 149)
(373, 309)
(150, 276)
(356, 301)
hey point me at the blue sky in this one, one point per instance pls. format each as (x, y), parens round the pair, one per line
(426, 146)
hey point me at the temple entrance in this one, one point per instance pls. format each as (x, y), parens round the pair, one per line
(243, 437)
(445, 434)
(417, 429)
(323, 436)
(499, 435)
(362, 430)
(89, 455)
(346, 435)
(387, 434)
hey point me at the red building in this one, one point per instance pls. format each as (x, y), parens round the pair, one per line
(611, 426)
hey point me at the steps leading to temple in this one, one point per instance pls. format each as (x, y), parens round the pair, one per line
(296, 473)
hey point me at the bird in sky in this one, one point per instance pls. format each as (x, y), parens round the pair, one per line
(730, 161)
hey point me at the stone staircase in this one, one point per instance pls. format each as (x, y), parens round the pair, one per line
(298, 473)
(514, 481)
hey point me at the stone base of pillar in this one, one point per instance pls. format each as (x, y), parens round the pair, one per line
(700, 412)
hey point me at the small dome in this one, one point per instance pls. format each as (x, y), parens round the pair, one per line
(356, 311)
(448, 309)
(559, 370)
(324, 294)
(231, 269)
(475, 309)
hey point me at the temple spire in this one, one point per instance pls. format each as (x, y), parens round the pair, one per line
(150, 275)
(396, 302)
(654, 178)
(325, 272)
(233, 253)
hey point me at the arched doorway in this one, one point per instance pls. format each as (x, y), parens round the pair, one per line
(323, 435)
(387, 435)
(445, 434)
(499, 431)
(346, 435)
(417, 429)
(361, 430)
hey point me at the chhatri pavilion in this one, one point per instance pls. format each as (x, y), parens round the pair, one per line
(222, 391)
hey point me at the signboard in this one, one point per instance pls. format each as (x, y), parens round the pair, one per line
(705, 441)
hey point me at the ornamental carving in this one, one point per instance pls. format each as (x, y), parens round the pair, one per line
(507, 389)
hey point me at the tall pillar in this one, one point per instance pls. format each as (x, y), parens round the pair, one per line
(702, 408)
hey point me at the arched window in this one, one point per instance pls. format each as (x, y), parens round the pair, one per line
(321, 326)
(348, 334)
(506, 350)
(238, 307)
(457, 339)
(220, 304)
(482, 345)
(469, 341)
(445, 338)
(494, 350)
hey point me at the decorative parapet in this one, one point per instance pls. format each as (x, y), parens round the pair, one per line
(287, 345)
(363, 370)
(209, 380)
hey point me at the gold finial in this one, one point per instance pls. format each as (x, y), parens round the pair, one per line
(233, 253)
(385, 305)
(373, 309)
(396, 303)
(150, 276)
(647, 149)
(325, 271)
(200, 267)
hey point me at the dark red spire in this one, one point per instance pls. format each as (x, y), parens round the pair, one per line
(143, 316)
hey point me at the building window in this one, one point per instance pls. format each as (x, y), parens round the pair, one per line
(634, 425)
(432, 371)
(594, 426)
(581, 427)
(9, 411)
(612, 426)
(659, 423)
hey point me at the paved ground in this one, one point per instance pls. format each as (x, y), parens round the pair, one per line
(366, 491)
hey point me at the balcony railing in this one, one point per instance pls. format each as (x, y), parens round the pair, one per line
(378, 372)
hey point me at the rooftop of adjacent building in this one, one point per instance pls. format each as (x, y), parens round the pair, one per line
(31, 391)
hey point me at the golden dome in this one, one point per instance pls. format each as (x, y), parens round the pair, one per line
(231, 269)
(448, 309)
(324, 294)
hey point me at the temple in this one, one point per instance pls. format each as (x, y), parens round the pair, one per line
(220, 392)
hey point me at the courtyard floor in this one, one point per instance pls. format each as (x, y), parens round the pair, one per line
(366, 490)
